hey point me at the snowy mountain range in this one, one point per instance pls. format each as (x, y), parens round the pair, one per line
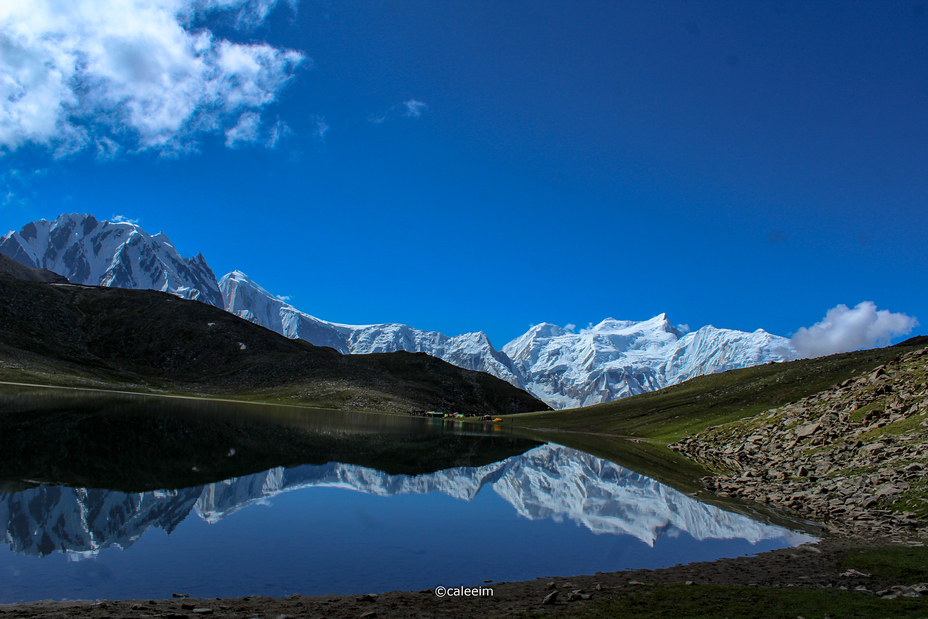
(563, 368)
(549, 481)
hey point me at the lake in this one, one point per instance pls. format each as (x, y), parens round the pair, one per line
(370, 503)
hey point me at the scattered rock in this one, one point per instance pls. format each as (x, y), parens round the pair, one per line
(854, 574)
(820, 460)
(551, 598)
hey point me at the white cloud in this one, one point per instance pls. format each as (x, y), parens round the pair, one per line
(16, 186)
(107, 149)
(283, 297)
(570, 327)
(414, 108)
(119, 219)
(135, 72)
(245, 132)
(322, 127)
(277, 132)
(683, 327)
(844, 329)
(407, 109)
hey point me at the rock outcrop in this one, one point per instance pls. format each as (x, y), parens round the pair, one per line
(854, 457)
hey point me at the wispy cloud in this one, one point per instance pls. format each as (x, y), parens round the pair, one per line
(277, 132)
(570, 327)
(245, 131)
(414, 108)
(283, 297)
(321, 128)
(107, 149)
(119, 219)
(844, 329)
(132, 74)
(406, 109)
(16, 186)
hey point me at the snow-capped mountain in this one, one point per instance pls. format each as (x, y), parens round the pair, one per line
(471, 351)
(550, 481)
(118, 254)
(565, 369)
(617, 358)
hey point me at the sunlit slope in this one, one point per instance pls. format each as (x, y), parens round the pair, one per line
(674, 412)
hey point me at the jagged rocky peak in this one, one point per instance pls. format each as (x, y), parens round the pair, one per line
(119, 254)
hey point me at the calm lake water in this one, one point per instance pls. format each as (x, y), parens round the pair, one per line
(347, 527)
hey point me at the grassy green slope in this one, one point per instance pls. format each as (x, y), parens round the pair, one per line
(672, 413)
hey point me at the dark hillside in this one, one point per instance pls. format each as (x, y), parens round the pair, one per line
(14, 269)
(84, 335)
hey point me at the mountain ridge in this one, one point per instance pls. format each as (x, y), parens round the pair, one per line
(563, 368)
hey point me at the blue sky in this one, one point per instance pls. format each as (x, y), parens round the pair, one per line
(485, 165)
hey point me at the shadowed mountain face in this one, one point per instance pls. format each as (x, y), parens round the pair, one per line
(549, 481)
(155, 339)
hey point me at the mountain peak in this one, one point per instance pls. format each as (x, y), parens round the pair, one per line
(110, 253)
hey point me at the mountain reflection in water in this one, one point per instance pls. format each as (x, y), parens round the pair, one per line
(546, 482)
(552, 510)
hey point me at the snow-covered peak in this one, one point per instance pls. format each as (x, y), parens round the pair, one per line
(119, 254)
(618, 358)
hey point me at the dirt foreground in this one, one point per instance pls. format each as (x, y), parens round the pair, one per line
(810, 565)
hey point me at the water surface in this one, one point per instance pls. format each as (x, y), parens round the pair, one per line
(348, 527)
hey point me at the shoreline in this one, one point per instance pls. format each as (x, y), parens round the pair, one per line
(812, 565)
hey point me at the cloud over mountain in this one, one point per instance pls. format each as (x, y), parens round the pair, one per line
(844, 329)
(132, 74)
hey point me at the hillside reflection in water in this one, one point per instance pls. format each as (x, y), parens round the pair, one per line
(341, 528)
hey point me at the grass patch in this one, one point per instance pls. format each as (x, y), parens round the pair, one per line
(690, 407)
(915, 499)
(715, 602)
(858, 415)
(892, 563)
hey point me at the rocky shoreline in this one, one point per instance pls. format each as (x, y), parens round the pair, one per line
(853, 457)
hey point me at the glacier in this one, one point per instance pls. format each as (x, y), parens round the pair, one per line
(561, 367)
